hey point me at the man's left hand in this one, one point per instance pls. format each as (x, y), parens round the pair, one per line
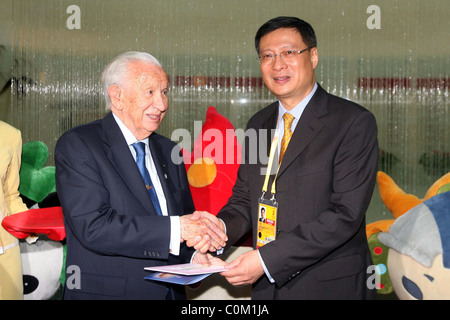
(245, 269)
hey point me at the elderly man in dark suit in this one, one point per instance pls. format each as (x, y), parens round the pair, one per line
(126, 204)
(327, 167)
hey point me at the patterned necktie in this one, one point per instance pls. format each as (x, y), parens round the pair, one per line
(140, 160)
(288, 118)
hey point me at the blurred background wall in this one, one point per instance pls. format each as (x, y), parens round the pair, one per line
(391, 56)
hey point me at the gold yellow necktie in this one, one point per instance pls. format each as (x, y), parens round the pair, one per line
(288, 118)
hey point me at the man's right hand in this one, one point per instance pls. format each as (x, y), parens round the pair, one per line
(203, 231)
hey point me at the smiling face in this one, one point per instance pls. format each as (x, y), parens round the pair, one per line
(141, 101)
(290, 82)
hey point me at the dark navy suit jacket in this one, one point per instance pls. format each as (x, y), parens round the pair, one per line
(323, 189)
(112, 229)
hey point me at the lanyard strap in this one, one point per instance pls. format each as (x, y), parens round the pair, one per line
(273, 148)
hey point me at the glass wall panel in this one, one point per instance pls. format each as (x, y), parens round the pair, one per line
(392, 58)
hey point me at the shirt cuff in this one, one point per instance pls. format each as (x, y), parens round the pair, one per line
(175, 235)
(266, 271)
(220, 251)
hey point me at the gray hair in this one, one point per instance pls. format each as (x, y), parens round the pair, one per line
(116, 71)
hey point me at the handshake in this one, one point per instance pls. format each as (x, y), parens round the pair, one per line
(203, 231)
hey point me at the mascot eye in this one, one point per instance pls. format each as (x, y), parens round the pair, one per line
(30, 284)
(429, 277)
(412, 288)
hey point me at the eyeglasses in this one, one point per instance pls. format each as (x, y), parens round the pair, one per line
(286, 56)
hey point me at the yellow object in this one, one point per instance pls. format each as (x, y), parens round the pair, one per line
(202, 172)
(10, 203)
(288, 118)
(267, 222)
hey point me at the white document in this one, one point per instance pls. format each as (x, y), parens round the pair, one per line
(188, 269)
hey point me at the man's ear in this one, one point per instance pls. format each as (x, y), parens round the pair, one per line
(116, 95)
(314, 57)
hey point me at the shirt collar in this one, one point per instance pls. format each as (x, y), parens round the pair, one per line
(128, 135)
(298, 109)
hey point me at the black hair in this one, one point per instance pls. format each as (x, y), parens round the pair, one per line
(303, 27)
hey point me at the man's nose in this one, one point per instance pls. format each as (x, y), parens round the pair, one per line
(160, 102)
(278, 62)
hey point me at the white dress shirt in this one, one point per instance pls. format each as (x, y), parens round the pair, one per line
(296, 112)
(175, 234)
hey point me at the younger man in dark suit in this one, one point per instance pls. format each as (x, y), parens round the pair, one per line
(323, 186)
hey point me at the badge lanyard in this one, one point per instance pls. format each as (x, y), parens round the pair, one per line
(267, 209)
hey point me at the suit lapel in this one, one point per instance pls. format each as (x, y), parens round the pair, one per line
(162, 169)
(270, 124)
(307, 128)
(120, 157)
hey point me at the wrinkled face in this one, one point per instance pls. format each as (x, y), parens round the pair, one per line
(142, 101)
(289, 81)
